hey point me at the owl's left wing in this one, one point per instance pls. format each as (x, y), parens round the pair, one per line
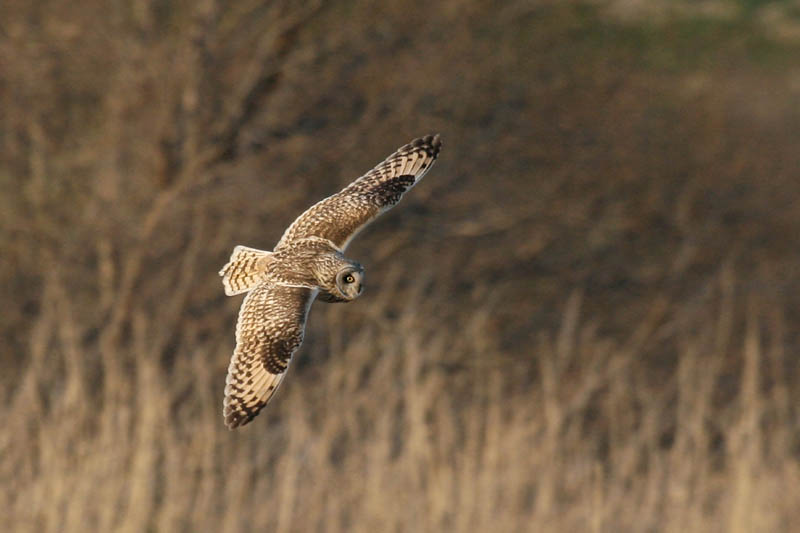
(269, 330)
(340, 217)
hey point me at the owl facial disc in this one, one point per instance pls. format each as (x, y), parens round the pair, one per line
(349, 281)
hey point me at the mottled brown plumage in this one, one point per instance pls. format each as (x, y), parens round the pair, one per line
(306, 263)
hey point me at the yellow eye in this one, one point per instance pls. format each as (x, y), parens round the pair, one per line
(349, 278)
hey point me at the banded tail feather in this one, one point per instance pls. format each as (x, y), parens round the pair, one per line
(245, 269)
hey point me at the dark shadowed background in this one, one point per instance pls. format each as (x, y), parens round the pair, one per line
(585, 318)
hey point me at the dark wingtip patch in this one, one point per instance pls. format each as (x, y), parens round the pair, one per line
(234, 419)
(431, 143)
(239, 415)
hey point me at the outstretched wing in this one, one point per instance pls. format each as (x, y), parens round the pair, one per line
(340, 217)
(270, 328)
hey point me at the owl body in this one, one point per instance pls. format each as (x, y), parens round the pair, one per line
(312, 263)
(307, 263)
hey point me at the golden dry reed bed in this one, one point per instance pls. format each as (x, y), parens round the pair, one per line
(383, 435)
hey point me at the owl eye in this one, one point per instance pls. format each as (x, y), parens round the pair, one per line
(349, 278)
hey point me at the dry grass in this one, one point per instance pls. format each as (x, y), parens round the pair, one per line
(583, 320)
(393, 433)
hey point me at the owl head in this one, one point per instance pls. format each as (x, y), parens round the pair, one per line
(346, 285)
(349, 281)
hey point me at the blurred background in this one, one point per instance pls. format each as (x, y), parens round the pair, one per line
(585, 318)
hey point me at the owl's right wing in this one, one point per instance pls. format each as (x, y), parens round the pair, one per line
(269, 330)
(338, 218)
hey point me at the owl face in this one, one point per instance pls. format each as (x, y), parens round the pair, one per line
(349, 282)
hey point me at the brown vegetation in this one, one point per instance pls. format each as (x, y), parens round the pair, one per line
(584, 319)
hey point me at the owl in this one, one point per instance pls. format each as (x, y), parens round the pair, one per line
(308, 263)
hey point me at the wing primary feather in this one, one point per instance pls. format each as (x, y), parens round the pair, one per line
(269, 330)
(340, 216)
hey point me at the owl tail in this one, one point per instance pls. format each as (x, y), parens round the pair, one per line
(246, 268)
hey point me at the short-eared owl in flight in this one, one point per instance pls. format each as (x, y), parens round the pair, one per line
(307, 263)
